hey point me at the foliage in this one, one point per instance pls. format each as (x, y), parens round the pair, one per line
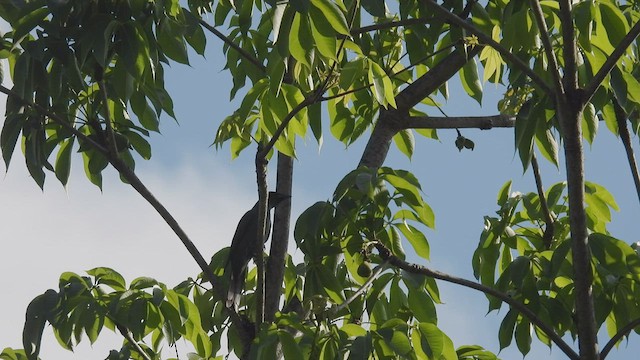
(89, 76)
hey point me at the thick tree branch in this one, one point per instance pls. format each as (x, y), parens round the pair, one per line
(570, 115)
(570, 48)
(548, 47)
(434, 78)
(263, 208)
(386, 254)
(611, 61)
(547, 236)
(625, 135)
(459, 122)
(279, 239)
(619, 335)
(517, 62)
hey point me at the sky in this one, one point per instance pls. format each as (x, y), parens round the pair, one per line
(45, 233)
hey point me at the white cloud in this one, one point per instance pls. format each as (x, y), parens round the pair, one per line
(45, 234)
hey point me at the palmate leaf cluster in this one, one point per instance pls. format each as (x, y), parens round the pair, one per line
(86, 70)
(517, 256)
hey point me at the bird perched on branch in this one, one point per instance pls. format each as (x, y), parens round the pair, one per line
(243, 247)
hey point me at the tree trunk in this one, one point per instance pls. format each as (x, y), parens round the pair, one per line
(279, 239)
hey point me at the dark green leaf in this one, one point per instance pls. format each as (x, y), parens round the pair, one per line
(63, 161)
(471, 81)
(11, 129)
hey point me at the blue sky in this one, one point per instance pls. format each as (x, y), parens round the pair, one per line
(46, 233)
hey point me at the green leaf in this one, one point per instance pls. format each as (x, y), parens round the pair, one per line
(134, 50)
(601, 193)
(145, 113)
(525, 129)
(12, 354)
(139, 143)
(109, 277)
(505, 333)
(416, 238)
(547, 143)
(29, 21)
(323, 34)
(171, 40)
(405, 142)
(589, 123)
(433, 340)
(613, 22)
(63, 161)
(504, 192)
(290, 348)
(301, 39)
(523, 336)
(382, 86)
(315, 121)
(11, 129)
(422, 306)
(333, 15)
(35, 319)
(471, 81)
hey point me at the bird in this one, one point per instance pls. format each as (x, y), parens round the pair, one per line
(243, 247)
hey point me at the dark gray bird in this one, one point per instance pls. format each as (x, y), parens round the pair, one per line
(243, 247)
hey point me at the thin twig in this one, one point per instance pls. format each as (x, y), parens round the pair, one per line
(386, 254)
(127, 335)
(374, 275)
(233, 45)
(547, 236)
(42, 110)
(611, 61)
(137, 184)
(391, 24)
(111, 144)
(622, 332)
(625, 135)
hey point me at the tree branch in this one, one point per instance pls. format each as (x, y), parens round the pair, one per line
(570, 48)
(42, 110)
(625, 135)
(111, 144)
(127, 335)
(456, 20)
(374, 275)
(280, 238)
(459, 122)
(391, 24)
(263, 208)
(137, 184)
(548, 47)
(386, 254)
(622, 332)
(611, 61)
(430, 81)
(233, 45)
(547, 236)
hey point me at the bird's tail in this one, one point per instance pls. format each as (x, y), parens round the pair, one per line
(236, 283)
